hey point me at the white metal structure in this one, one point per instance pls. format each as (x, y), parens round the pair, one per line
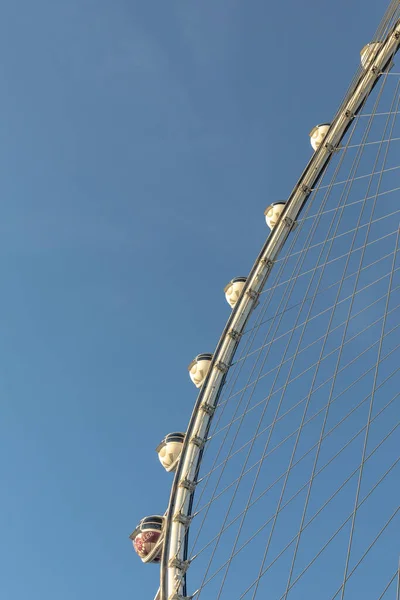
(199, 368)
(318, 135)
(273, 213)
(299, 257)
(169, 450)
(234, 290)
(368, 54)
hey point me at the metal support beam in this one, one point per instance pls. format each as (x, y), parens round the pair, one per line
(175, 539)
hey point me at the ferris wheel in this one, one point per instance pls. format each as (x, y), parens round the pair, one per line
(286, 482)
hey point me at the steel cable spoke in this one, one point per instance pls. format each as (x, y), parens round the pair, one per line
(311, 396)
(315, 516)
(321, 469)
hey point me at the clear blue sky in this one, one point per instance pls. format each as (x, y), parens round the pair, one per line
(140, 144)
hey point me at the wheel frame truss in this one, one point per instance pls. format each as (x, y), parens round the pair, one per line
(174, 562)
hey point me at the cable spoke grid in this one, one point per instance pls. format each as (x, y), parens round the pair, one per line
(293, 489)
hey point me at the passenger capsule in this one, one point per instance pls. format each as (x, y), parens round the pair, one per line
(169, 450)
(318, 134)
(234, 289)
(147, 539)
(198, 368)
(368, 54)
(273, 212)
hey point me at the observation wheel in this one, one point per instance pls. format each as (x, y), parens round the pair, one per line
(286, 482)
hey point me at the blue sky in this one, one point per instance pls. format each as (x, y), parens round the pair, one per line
(141, 142)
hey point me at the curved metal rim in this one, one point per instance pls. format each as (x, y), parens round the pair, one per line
(175, 558)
